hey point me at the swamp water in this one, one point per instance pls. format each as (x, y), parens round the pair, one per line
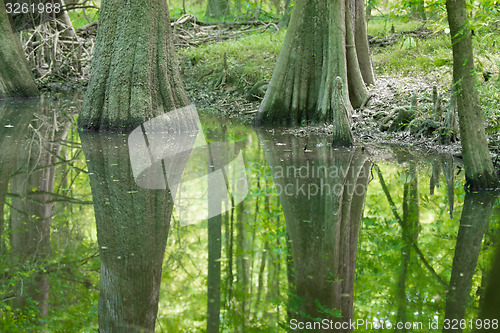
(215, 227)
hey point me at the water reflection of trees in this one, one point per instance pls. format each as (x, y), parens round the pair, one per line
(132, 228)
(322, 195)
(32, 134)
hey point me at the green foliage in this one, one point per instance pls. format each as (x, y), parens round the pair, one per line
(84, 16)
(249, 59)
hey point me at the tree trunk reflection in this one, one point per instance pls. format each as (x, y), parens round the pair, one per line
(322, 191)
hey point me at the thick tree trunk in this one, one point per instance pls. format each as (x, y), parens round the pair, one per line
(358, 94)
(479, 172)
(16, 79)
(217, 9)
(132, 228)
(134, 74)
(303, 81)
(285, 20)
(473, 224)
(418, 10)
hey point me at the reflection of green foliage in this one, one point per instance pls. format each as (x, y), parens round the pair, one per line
(71, 267)
(379, 258)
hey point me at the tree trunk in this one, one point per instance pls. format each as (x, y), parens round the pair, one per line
(479, 172)
(132, 228)
(214, 256)
(473, 224)
(418, 10)
(217, 9)
(134, 74)
(16, 79)
(358, 93)
(285, 20)
(303, 86)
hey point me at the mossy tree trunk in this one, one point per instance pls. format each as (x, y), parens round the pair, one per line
(16, 79)
(303, 86)
(134, 74)
(217, 9)
(361, 42)
(479, 172)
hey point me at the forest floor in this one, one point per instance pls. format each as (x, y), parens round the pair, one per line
(220, 63)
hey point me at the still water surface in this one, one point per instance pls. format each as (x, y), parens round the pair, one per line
(195, 223)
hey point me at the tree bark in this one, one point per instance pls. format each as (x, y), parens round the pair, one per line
(479, 171)
(134, 74)
(16, 79)
(303, 82)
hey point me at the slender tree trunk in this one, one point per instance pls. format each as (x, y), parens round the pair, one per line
(409, 231)
(362, 45)
(479, 172)
(217, 9)
(473, 223)
(418, 10)
(16, 79)
(303, 87)
(134, 74)
(358, 94)
(490, 307)
(241, 270)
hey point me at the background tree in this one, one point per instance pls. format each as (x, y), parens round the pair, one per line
(479, 170)
(134, 73)
(16, 79)
(217, 9)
